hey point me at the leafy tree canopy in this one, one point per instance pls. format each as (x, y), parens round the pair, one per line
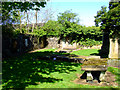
(52, 28)
(109, 20)
(69, 21)
(13, 8)
(68, 16)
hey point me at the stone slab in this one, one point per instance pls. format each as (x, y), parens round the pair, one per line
(93, 69)
(95, 62)
(94, 66)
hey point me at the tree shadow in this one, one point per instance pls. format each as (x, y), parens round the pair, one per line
(101, 54)
(29, 69)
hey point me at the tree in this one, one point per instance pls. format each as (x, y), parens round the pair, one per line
(68, 16)
(52, 28)
(109, 20)
(12, 8)
(68, 20)
(11, 14)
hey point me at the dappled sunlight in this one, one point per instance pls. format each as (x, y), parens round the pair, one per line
(28, 70)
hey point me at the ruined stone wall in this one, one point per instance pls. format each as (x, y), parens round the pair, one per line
(53, 42)
(67, 45)
(64, 44)
(20, 44)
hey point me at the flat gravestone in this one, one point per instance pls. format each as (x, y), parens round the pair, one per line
(95, 65)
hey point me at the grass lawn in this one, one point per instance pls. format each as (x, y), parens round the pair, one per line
(86, 52)
(27, 71)
(116, 72)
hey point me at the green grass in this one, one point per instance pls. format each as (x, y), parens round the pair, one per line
(28, 71)
(86, 52)
(48, 50)
(116, 72)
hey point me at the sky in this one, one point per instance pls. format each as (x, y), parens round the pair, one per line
(86, 9)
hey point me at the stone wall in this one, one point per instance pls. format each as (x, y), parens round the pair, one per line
(66, 44)
(114, 49)
(56, 42)
(92, 47)
(21, 44)
(113, 63)
(53, 42)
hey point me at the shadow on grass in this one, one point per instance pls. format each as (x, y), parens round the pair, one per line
(28, 69)
(101, 54)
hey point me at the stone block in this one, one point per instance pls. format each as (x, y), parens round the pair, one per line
(102, 76)
(89, 76)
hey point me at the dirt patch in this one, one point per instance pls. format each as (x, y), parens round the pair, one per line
(109, 80)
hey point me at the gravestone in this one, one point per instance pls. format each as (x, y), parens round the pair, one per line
(95, 66)
(114, 50)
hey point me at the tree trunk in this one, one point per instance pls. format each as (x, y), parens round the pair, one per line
(105, 46)
(36, 16)
(27, 23)
(24, 19)
(20, 22)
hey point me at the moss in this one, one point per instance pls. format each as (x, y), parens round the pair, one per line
(95, 62)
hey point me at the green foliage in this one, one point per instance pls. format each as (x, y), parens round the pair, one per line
(88, 36)
(66, 26)
(89, 42)
(38, 32)
(85, 36)
(109, 20)
(52, 28)
(69, 21)
(11, 14)
(12, 8)
(68, 16)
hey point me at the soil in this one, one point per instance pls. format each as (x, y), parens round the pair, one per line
(109, 80)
